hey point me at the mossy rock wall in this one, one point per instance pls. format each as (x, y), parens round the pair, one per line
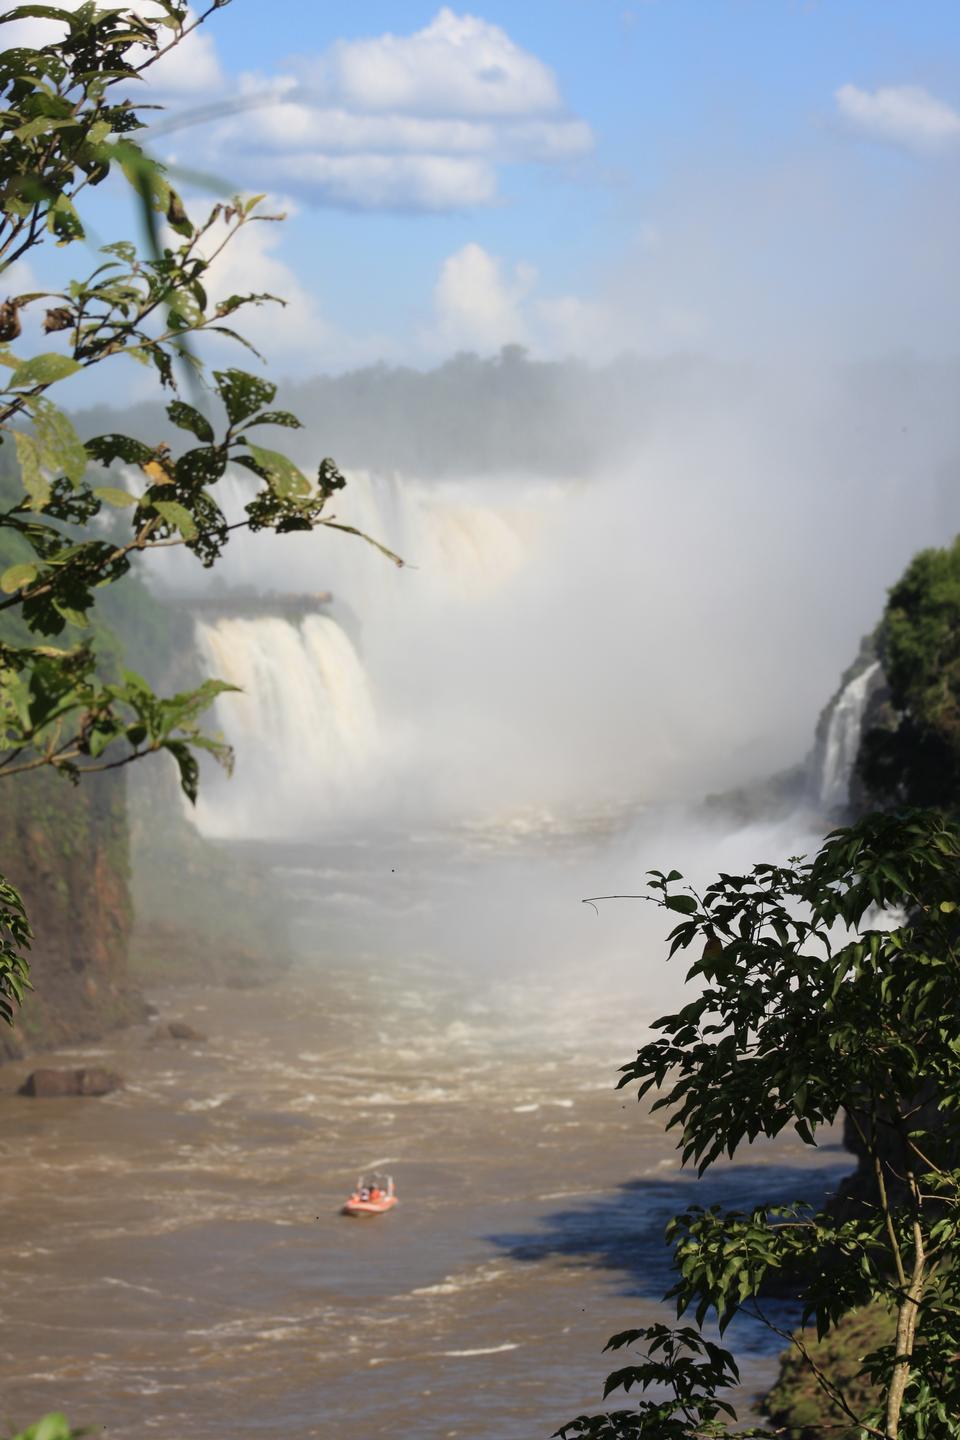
(798, 1404)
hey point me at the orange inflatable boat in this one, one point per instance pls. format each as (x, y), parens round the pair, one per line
(373, 1196)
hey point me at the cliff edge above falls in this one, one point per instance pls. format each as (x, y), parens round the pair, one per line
(66, 849)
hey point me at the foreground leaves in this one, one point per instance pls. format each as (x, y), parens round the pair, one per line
(824, 989)
(15, 938)
(86, 511)
(52, 1427)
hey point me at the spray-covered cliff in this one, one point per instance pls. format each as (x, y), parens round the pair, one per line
(66, 849)
(119, 886)
(200, 912)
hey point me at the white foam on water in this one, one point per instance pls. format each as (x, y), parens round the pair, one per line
(568, 1194)
(481, 1350)
(129, 1285)
(213, 1102)
(454, 1284)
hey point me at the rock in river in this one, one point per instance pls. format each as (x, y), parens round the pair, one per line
(174, 1030)
(44, 1084)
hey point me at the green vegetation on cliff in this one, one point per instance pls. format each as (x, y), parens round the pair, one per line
(912, 755)
(800, 1406)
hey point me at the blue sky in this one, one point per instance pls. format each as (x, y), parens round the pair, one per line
(586, 176)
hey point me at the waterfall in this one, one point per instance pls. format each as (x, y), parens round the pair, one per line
(842, 739)
(306, 697)
(462, 542)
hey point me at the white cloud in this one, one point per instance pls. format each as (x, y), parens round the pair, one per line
(901, 114)
(477, 302)
(456, 65)
(297, 125)
(396, 182)
(191, 67)
(403, 122)
(481, 302)
(249, 263)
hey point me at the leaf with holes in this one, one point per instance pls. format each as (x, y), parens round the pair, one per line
(17, 577)
(243, 394)
(285, 478)
(43, 370)
(60, 447)
(178, 516)
(34, 481)
(188, 418)
(112, 495)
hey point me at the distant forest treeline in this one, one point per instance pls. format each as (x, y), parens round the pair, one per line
(471, 414)
(513, 413)
(508, 412)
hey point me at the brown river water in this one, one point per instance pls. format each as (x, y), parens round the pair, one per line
(174, 1260)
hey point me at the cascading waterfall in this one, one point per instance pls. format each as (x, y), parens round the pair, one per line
(842, 739)
(307, 693)
(461, 542)
(556, 643)
(305, 696)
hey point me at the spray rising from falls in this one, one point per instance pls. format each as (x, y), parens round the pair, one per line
(371, 704)
(305, 695)
(519, 664)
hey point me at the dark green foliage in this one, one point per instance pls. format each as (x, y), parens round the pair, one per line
(680, 1360)
(915, 759)
(15, 937)
(809, 1007)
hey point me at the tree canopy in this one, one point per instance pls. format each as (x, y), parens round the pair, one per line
(915, 757)
(824, 988)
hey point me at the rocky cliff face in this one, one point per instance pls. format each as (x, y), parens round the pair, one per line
(66, 848)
